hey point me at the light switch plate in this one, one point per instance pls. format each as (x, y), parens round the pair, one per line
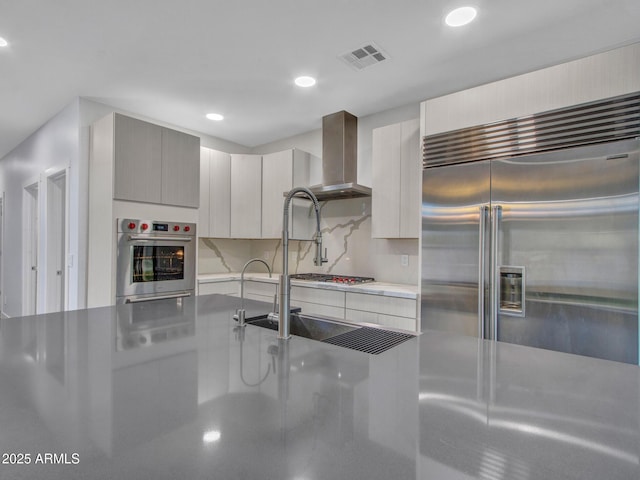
(404, 260)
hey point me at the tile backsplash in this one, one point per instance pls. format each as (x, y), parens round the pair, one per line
(346, 234)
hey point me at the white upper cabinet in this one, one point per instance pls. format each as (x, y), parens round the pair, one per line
(154, 164)
(220, 194)
(246, 196)
(282, 171)
(397, 173)
(277, 178)
(215, 194)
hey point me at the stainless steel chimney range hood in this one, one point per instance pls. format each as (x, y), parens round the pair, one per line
(340, 159)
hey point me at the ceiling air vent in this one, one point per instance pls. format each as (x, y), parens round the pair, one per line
(365, 56)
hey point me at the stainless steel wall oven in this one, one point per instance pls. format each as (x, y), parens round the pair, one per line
(156, 260)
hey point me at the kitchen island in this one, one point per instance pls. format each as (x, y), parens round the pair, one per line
(177, 391)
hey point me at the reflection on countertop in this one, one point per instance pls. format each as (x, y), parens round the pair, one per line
(223, 402)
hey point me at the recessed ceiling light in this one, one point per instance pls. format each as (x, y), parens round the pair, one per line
(305, 81)
(215, 116)
(460, 16)
(3, 42)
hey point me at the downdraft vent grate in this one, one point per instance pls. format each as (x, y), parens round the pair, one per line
(369, 340)
(364, 57)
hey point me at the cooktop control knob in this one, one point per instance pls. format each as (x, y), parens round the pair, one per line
(144, 226)
(187, 228)
(176, 228)
(131, 225)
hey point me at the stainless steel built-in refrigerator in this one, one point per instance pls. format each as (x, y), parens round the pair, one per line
(530, 230)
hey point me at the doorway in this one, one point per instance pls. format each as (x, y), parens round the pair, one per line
(31, 234)
(2, 296)
(55, 275)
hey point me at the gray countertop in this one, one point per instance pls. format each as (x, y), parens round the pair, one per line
(199, 399)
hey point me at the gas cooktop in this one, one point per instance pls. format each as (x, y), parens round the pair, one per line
(324, 277)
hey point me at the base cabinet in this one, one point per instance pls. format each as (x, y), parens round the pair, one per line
(316, 301)
(387, 311)
(231, 287)
(383, 310)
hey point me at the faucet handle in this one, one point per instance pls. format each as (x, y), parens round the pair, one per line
(240, 317)
(275, 301)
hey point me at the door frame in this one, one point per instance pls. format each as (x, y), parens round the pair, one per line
(2, 294)
(48, 271)
(31, 228)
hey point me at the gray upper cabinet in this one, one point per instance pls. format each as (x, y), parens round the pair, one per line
(155, 164)
(137, 160)
(180, 169)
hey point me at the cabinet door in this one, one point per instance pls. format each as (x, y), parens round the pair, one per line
(180, 169)
(385, 202)
(137, 160)
(410, 179)
(277, 178)
(246, 196)
(302, 220)
(395, 203)
(203, 209)
(219, 194)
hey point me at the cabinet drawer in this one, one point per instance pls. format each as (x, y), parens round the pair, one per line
(318, 309)
(320, 296)
(223, 288)
(260, 288)
(398, 307)
(392, 321)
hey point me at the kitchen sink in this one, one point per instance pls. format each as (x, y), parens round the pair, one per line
(362, 338)
(306, 326)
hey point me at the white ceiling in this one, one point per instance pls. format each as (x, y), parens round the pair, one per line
(176, 60)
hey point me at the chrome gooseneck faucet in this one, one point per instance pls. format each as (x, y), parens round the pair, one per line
(319, 259)
(240, 313)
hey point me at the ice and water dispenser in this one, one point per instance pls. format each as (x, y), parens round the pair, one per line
(512, 290)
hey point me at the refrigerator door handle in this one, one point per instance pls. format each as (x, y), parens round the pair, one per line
(482, 227)
(495, 294)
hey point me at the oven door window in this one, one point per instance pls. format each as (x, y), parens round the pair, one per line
(157, 263)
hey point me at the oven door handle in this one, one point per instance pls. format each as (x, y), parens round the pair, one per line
(138, 238)
(159, 297)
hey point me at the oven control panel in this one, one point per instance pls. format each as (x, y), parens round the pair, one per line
(157, 227)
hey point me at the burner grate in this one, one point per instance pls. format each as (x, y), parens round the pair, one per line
(324, 277)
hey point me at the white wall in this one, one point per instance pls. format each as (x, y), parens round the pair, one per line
(55, 144)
